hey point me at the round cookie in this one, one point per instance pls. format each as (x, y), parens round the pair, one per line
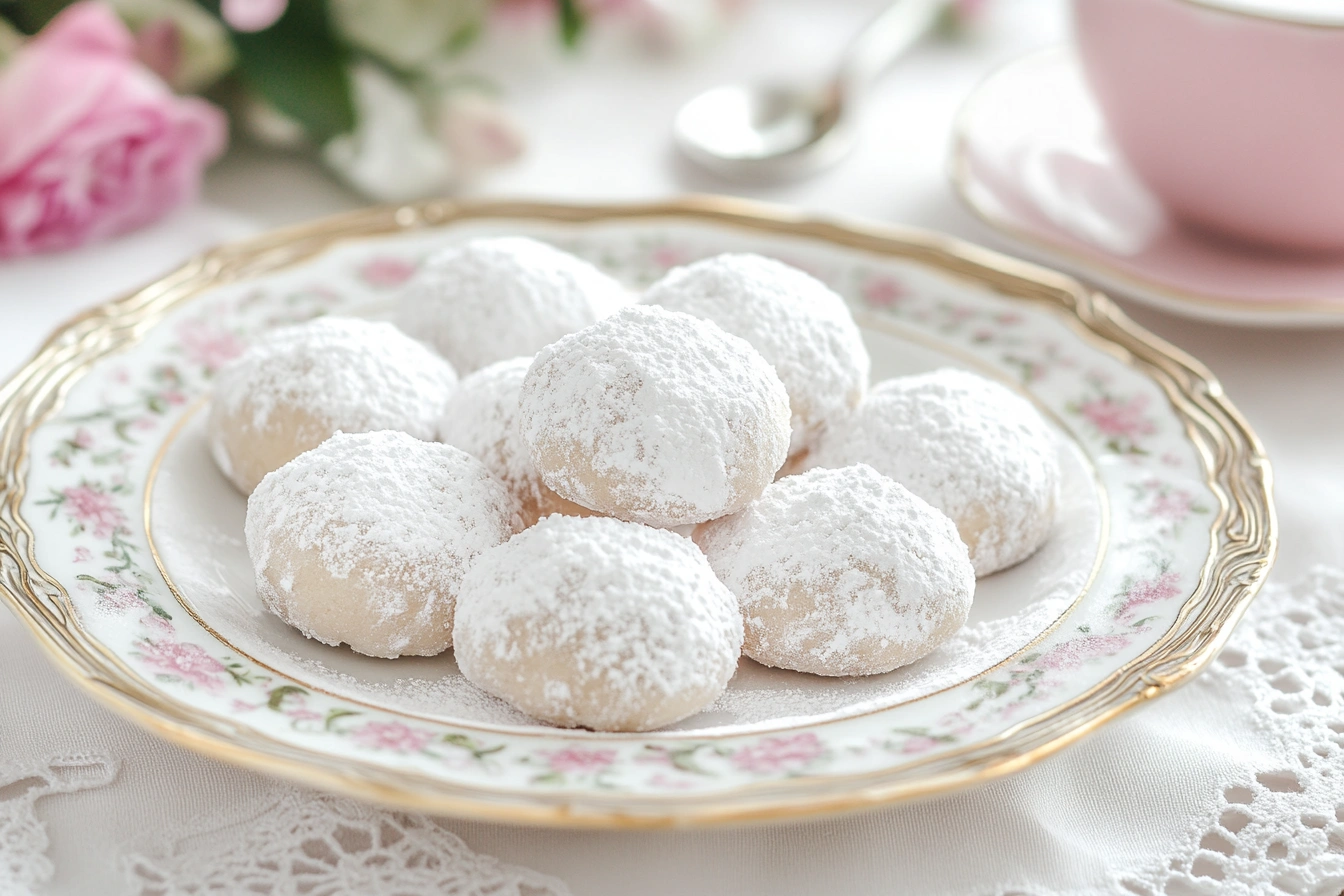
(841, 572)
(481, 418)
(795, 321)
(496, 298)
(295, 386)
(656, 417)
(364, 540)
(595, 622)
(970, 447)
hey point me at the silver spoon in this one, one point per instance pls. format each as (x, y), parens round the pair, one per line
(782, 132)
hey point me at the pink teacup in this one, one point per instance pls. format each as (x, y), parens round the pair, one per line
(1232, 113)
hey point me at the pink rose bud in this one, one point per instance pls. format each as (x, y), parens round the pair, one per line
(159, 46)
(477, 131)
(92, 144)
(252, 15)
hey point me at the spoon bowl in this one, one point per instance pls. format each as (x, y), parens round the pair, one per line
(777, 132)
(765, 132)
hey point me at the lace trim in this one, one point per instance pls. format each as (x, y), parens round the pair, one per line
(1278, 829)
(306, 844)
(23, 839)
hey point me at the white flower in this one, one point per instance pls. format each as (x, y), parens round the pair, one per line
(390, 155)
(477, 130)
(268, 125)
(405, 33)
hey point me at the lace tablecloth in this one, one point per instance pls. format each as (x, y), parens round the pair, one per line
(1230, 785)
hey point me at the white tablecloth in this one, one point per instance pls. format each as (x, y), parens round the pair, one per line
(124, 810)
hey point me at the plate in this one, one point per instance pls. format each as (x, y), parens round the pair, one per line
(1031, 158)
(123, 545)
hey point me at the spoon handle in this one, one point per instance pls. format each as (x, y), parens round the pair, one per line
(882, 41)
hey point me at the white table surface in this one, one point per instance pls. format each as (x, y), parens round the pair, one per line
(599, 131)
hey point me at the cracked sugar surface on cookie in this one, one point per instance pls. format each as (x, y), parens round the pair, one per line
(481, 418)
(969, 446)
(364, 540)
(841, 572)
(656, 417)
(295, 386)
(600, 623)
(496, 298)
(795, 321)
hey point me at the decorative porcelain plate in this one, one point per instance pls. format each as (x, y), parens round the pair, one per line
(1032, 158)
(123, 550)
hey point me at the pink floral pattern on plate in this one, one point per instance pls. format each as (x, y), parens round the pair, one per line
(87, 489)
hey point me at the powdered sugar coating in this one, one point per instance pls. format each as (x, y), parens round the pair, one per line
(970, 447)
(595, 622)
(295, 386)
(496, 298)
(655, 416)
(841, 572)
(795, 321)
(481, 418)
(364, 540)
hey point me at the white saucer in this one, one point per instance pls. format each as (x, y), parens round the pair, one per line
(1031, 158)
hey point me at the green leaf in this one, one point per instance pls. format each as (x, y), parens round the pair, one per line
(994, 688)
(572, 22)
(278, 695)
(685, 761)
(334, 714)
(463, 37)
(30, 15)
(298, 67)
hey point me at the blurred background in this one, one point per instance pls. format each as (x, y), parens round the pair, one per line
(316, 105)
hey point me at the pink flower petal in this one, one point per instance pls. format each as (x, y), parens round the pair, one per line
(252, 15)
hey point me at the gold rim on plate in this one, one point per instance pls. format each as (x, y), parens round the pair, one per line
(1243, 544)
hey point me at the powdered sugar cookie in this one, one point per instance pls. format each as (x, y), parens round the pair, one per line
(595, 622)
(496, 298)
(794, 320)
(655, 416)
(481, 418)
(841, 572)
(295, 386)
(364, 540)
(970, 447)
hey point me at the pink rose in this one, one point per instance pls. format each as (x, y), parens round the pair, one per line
(477, 131)
(91, 143)
(391, 736)
(93, 509)
(1149, 591)
(918, 744)
(185, 660)
(385, 271)
(780, 754)
(1119, 418)
(1072, 654)
(123, 598)
(883, 292)
(252, 15)
(578, 760)
(207, 346)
